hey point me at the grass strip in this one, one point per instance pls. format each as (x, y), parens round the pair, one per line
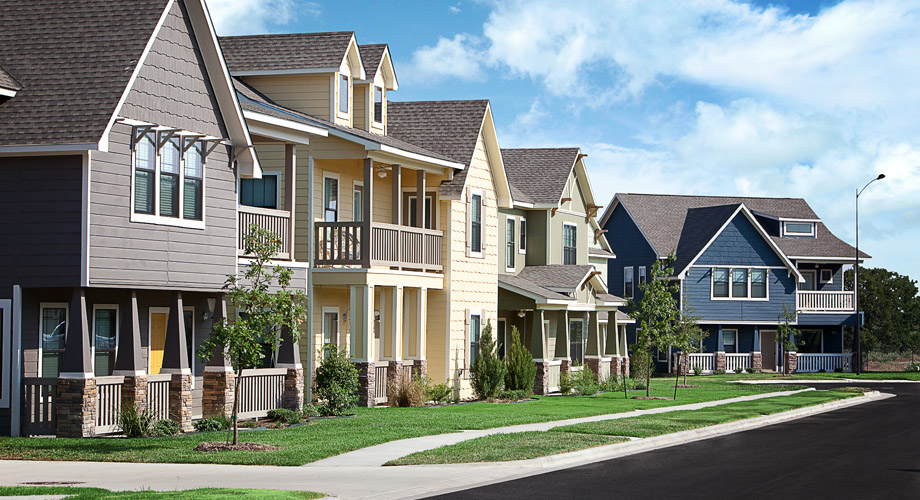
(201, 493)
(371, 426)
(526, 445)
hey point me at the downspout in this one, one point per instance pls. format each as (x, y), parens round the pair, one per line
(308, 385)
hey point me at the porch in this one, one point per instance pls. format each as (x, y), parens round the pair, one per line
(811, 301)
(708, 363)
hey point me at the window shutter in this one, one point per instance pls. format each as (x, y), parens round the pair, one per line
(469, 230)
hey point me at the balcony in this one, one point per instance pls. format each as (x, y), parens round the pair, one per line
(389, 245)
(278, 222)
(824, 302)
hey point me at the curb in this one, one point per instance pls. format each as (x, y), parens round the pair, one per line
(792, 381)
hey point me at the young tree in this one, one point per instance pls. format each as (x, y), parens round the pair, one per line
(262, 315)
(786, 330)
(488, 372)
(687, 336)
(521, 370)
(656, 312)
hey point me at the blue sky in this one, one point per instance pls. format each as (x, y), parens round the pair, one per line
(799, 99)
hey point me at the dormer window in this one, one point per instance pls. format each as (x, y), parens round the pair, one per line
(378, 104)
(798, 228)
(343, 93)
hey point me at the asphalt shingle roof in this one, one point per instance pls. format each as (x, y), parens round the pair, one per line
(529, 286)
(450, 128)
(556, 276)
(538, 175)
(253, 100)
(600, 252)
(285, 52)
(73, 60)
(371, 55)
(7, 81)
(684, 224)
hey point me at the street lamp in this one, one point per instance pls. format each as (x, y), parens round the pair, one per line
(856, 280)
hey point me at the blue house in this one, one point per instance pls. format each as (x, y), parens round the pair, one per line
(738, 261)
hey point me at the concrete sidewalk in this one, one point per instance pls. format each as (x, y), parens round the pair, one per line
(376, 456)
(368, 482)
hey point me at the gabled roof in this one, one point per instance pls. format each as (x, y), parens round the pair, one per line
(293, 52)
(539, 175)
(376, 57)
(557, 277)
(73, 61)
(8, 83)
(556, 282)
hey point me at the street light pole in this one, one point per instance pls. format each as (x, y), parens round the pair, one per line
(856, 339)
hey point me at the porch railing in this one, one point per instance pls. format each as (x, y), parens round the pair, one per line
(705, 362)
(278, 222)
(810, 363)
(158, 395)
(38, 412)
(261, 390)
(554, 376)
(342, 244)
(814, 301)
(108, 403)
(380, 384)
(737, 361)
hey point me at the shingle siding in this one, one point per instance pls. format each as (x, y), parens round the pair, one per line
(739, 244)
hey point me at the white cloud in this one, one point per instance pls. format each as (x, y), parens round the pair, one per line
(455, 57)
(454, 9)
(243, 17)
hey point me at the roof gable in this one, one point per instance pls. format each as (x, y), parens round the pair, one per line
(376, 59)
(538, 175)
(287, 53)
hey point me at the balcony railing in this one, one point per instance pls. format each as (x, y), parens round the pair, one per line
(343, 244)
(278, 222)
(810, 301)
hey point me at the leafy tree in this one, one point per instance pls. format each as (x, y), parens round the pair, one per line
(521, 370)
(267, 314)
(657, 313)
(891, 306)
(785, 330)
(488, 372)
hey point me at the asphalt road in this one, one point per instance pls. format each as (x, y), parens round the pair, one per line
(864, 452)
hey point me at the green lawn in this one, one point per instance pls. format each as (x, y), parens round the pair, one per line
(325, 438)
(203, 493)
(812, 376)
(526, 445)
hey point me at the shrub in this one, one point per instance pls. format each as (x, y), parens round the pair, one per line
(697, 371)
(134, 423)
(751, 370)
(565, 383)
(405, 391)
(585, 382)
(310, 411)
(487, 372)
(337, 382)
(439, 393)
(514, 395)
(739, 370)
(822, 370)
(840, 370)
(285, 416)
(164, 427)
(913, 366)
(719, 372)
(208, 424)
(522, 372)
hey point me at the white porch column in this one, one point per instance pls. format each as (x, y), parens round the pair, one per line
(290, 181)
(396, 323)
(362, 322)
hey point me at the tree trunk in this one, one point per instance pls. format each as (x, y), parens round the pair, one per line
(623, 378)
(685, 370)
(236, 406)
(677, 379)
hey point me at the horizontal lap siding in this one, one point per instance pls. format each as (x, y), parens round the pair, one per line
(172, 90)
(630, 247)
(697, 293)
(40, 220)
(305, 93)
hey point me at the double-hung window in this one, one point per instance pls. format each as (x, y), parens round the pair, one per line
(578, 341)
(378, 104)
(170, 160)
(628, 282)
(358, 201)
(105, 329)
(730, 340)
(330, 199)
(193, 184)
(168, 177)
(53, 329)
(145, 167)
(739, 283)
(758, 283)
(720, 282)
(569, 244)
(343, 93)
(523, 242)
(475, 329)
(641, 275)
(476, 223)
(510, 248)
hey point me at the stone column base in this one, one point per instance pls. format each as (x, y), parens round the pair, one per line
(395, 371)
(217, 393)
(719, 362)
(791, 363)
(292, 397)
(134, 392)
(566, 367)
(756, 362)
(366, 385)
(541, 382)
(595, 365)
(180, 400)
(616, 367)
(75, 407)
(419, 368)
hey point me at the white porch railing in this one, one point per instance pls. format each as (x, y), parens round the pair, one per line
(158, 395)
(261, 390)
(735, 361)
(381, 378)
(704, 361)
(108, 403)
(38, 412)
(813, 301)
(278, 222)
(554, 376)
(811, 363)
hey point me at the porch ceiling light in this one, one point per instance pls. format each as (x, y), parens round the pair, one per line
(381, 172)
(521, 313)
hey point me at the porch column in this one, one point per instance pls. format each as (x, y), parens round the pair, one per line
(75, 406)
(175, 362)
(719, 355)
(420, 199)
(128, 360)
(289, 358)
(362, 335)
(756, 356)
(624, 350)
(219, 379)
(290, 182)
(593, 350)
(538, 349)
(421, 328)
(366, 213)
(397, 195)
(562, 324)
(396, 339)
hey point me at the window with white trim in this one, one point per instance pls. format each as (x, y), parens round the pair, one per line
(827, 276)
(642, 276)
(759, 283)
(475, 237)
(105, 338)
(168, 175)
(330, 199)
(578, 341)
(330, 329)
(475, 331)
(357, 197)
(53, 330)
(730, 340)
(798, 228)
(628, 282)
(262, 193)
(522, 245)
(343, 93)
(569, 244)
(510, 247)
(378, 104)
(740, 283)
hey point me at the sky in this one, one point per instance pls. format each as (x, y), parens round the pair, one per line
(713, 97)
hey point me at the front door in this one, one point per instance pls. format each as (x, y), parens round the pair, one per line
(158, 319)
(768, 349)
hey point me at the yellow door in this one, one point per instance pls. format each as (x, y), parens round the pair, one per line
(157, 340)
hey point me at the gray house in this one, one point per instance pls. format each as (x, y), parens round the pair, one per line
(121, 146)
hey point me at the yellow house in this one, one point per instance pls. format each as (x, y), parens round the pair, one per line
(389, 210)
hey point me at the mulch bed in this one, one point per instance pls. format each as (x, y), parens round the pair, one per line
(208, 447)
(659, 398)
(687, 386)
